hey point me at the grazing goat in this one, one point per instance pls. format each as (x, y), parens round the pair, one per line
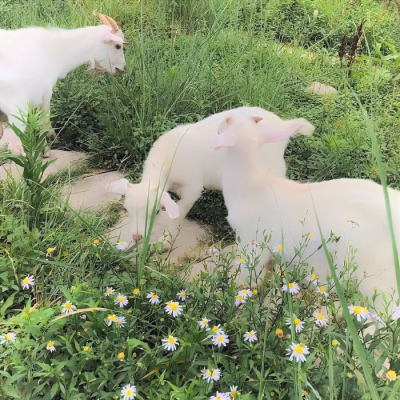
(353, 209)
(183, 162)
(33, 59)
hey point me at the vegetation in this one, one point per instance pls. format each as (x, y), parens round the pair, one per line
(187, 60)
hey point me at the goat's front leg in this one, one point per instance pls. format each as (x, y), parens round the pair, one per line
(189, 195)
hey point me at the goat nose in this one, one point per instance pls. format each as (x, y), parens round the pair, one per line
(136, 237)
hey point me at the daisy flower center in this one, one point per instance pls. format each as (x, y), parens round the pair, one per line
(120, 299)
(109, 291)
(310, 235)
(220, 338)
(280, 248)
(240, 298)
(122, 243)
(154, 296)
(313, 277)
(182, 294)
(357, 310)
(245, 291)
(320, 316)
(291, 285)
(174, 307)
(25, 281)
(322, 289)
(128, 392)
(250, 334)
(218, 398)
(215, 329)
(296, 321)
(112, 317)
(241, 260)
(7, 336)
(298, 349)
(136, 291)
(68, 305)
(365, 309)
(50, 344)
(171, 340)
(212, 373)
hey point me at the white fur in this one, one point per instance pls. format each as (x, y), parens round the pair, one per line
(195, 166)
(33, 59)
(263, 202)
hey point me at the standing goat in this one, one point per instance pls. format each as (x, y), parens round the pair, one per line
(183, 161)
(33, 59)
(257, 201)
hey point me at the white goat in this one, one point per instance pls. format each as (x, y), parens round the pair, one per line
(189, 151)
(260, 201)
(33, 59)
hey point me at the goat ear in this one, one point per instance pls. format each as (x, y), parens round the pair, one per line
(272, 135)
(118, 187)
(110, 37)
(170, 206)
(257, 119)
(225, 138)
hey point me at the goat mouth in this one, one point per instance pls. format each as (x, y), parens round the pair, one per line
(119, 71)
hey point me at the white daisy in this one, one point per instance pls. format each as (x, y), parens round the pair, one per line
(240, 262)
(170, 344)
(203, 324)
(298, 352)
(215, 330)
(111, 318)
(153, 298)
(121, 300)
(322, 290)
(377, 318)
(293, 288)
(396, 313)
(239, 299)
(311, 237)
(391, 375)
(298, 324)
(233, 391)
(128, 392)
(68, 307)
(277, 249)
(221, 396)
(8, 337)
(220, 339)
(245, 293)
(50, 346)
(212, 251)
(182, 295)
(120, 321)
(49, 251)
(320, 320)
(109, 291)
(27, 282)
(253, 245)
(122, 245)
(250, 336)
(173, 308)
(313, 279)
(360, 312)
(211, 374)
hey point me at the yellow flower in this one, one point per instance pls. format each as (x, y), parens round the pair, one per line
(335, 342)
(375, 288)
(121, 356)
(73, 288)
(96, 241)
(50, 250)
(279, 332)
(86, 349)
(255, 292)
(391, 375)
(136, 291)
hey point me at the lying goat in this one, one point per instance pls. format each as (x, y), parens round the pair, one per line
(260, 201)
(33, 59)
(183, 162)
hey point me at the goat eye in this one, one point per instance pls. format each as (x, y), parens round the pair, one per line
(163, 208)
(118, 46)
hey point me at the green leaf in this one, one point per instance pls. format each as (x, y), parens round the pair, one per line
(132, 343)
(7, 304)
(54, 390)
